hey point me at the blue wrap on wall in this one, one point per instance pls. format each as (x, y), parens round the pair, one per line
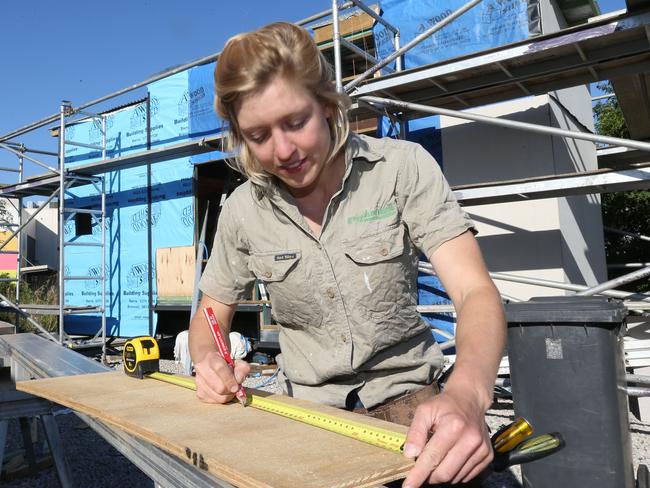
(129, 200)
(490, 24)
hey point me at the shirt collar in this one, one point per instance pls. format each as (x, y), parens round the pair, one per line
(357, 147)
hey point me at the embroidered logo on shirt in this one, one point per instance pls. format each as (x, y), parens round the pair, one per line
(285, 257)
(373, 215)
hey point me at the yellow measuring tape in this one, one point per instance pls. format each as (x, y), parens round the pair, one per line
(386, 439)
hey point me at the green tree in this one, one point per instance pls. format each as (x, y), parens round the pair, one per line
(609, 117)
(627, 211)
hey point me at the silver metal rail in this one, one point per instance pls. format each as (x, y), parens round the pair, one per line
(388, 25)
(97, 216)
(24, 224)
(563, 185)
(626, 233)
(338, 41)
(427, 268)
(33, 160)
(510, 124)
(20, 146)
(38, 326)
(374, 15)
(64, 110)
(103, 260)
(21, 242)
(337, 46)
(367, 56)
(568, 286)
(621, 280)
(601, 97)
(627, 265)
(322, 15)
(413, 42)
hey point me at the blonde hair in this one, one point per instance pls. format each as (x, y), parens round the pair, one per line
(250, 61)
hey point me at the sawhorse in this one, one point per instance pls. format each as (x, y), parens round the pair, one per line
(18, 405)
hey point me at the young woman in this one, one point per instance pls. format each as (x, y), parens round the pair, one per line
(334, 223)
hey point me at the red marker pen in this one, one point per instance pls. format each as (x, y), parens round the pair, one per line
(223, 349)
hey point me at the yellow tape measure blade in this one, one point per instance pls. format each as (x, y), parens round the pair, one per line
(178, 380)
(386, 439)
(376, 436)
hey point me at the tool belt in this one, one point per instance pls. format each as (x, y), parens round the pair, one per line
(400, 410)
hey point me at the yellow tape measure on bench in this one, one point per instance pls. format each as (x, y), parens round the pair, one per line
(386, 439)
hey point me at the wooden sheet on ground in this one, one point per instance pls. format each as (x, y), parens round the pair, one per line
(244, 446)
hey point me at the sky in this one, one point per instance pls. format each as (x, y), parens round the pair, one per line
(82, 50)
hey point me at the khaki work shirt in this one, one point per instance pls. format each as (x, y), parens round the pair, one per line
(345, 301)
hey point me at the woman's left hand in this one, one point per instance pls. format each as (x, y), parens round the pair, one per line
(449, 438)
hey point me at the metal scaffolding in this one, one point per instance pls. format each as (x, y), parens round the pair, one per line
(575, 54)
(55, 185)
(530, 67)
(581, 54)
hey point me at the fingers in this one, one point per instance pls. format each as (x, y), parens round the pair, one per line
(479, 445)
(216, 381)
(480, 456)
(478, 468)
(207, 394)
(242, 370)
(455, 453)
(419, 432)
(429, 464)
(459, 448)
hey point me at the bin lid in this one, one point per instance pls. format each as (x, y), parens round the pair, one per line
(567, 309)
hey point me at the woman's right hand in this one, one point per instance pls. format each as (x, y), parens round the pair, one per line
(216, 382)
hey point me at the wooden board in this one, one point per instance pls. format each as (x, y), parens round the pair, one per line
(7, 328)
(13, 244)
(356, 22)
(243, 446)
(175, 271)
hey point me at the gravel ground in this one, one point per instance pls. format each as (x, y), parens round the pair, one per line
(95, 463)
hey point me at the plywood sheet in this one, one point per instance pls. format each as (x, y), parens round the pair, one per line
(175, 271)
(357, 22)
(12, 245)
(244, 446)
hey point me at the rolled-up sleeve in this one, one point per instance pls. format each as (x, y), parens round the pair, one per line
(429, 209)
(226, 277)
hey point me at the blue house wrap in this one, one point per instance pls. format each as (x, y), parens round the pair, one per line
(181, 109)
(490, 24)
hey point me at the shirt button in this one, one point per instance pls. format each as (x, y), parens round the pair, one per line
(384, 251)
(268, 274)
(344, 338)
(330, 293)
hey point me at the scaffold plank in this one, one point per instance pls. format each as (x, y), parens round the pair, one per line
(611, 47)
(588, 182)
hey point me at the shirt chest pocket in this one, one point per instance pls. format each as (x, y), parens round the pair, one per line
(377, 248)
(380, 271)
(283, 274)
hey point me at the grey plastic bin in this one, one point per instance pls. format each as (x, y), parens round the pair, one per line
(568, 376)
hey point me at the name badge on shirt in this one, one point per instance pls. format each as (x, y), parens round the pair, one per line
(287, 256)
